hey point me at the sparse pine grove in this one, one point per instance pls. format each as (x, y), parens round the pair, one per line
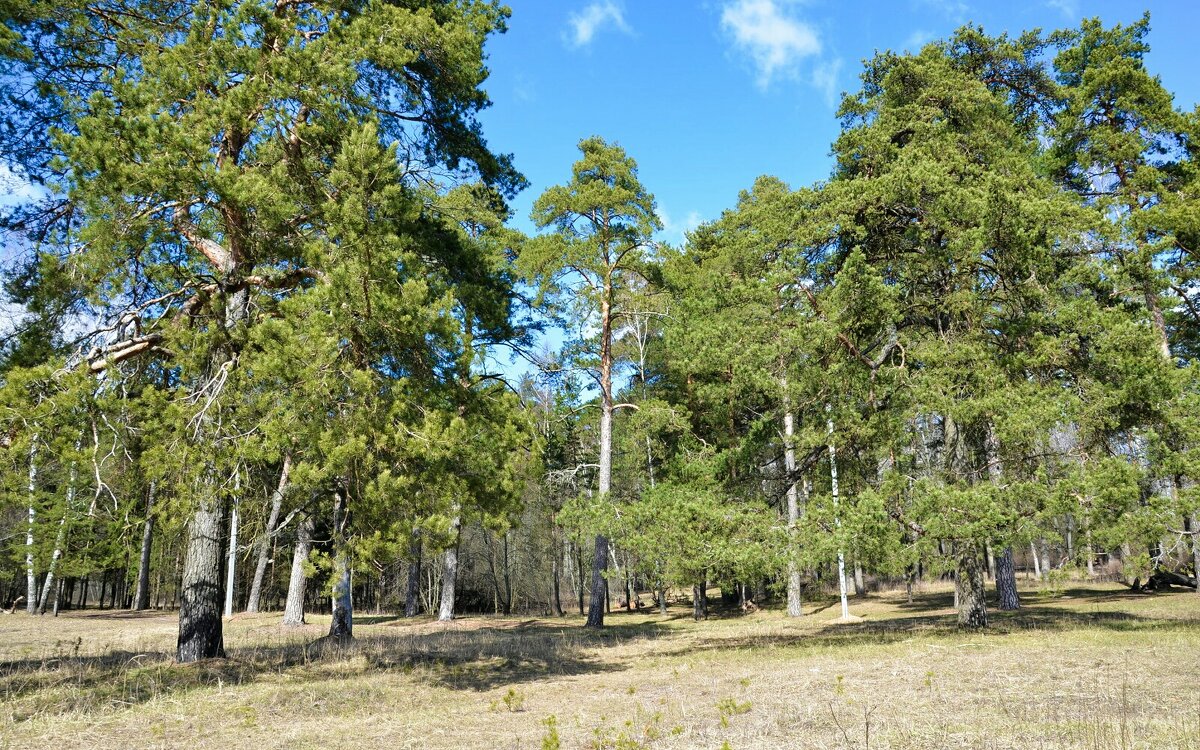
(305, 442)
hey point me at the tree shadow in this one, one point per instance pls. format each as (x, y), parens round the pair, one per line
(932, 614)
(476, 658)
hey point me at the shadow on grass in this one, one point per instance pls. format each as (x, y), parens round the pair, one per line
(466, 657)
(932, 615)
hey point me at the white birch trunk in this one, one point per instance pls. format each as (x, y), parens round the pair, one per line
(837, 519)
(30, 577)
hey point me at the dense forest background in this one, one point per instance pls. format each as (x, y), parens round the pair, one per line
(271, 271)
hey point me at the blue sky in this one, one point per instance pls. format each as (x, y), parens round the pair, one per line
(708, 95)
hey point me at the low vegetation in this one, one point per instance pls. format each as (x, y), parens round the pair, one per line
(1090, 667)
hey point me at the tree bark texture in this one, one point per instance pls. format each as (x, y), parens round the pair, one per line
(31, 590)
(795, 591)
(293, 612)
(595, 618)
(412, 591)
(341, 627)
(700, 601)
(1006, 581)
(969, 586)
(268, 537)
(450, 573)
(200, 634)
(141, 598)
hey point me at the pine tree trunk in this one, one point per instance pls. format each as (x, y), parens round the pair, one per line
(595, 618)
(1006, 581)
(969, 586)
(556, 552)
(293, 611)
(579, 575)
(264, 544)
(412, 603)
(1004, 570)
(662, 599)
(200, 634)
(341, 627)
(860, 587)
(837, 518)
(700, 601)
(450, 572)
(1196, 549)
(141, 599)
(1037, 562)
(795, 591)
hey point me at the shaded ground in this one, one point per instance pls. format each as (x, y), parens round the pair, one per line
(1093, 668)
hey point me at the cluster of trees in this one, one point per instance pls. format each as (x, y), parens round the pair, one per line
(271, 271)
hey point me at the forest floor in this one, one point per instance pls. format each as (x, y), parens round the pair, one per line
(1093, 667)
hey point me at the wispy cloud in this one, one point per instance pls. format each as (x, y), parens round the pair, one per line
(825, 79)
(775, 41)
(1068, 8)
(916, 40)
(593, 18)
(674, 231)
(956, 10)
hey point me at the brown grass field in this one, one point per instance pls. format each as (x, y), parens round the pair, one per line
(1091, 668)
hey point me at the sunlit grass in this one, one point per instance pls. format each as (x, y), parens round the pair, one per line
(1093, 668)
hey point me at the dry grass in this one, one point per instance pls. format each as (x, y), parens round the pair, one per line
(1093, 669)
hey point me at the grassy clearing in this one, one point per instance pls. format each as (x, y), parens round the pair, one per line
(1093, 668)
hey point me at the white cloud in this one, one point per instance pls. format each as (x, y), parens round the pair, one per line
(1069, 8)
(957, 10)
(593, 18)
(825, 79)
(673, 231)
(774, 41)
(916, 40)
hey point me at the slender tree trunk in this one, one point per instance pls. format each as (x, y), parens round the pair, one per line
(595, 618)
(450, 572)
(342, 625)
(990, 556)
(58, 591)
(556, 552)
(579, 577)
(795, 591)
(1006, 581)
(969, 586)
(264, 544)
(837, 518)
(412, 592)
(700, 600)
(508, 591)
(1196, 549)
(1037, 562)
(662, 599)
(231, 555)
(293, 611)
(200, 634)
(59, 541)
(860, 586)
(31, 591)
(1005, 573)
(1090, 551)
(141, 599)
